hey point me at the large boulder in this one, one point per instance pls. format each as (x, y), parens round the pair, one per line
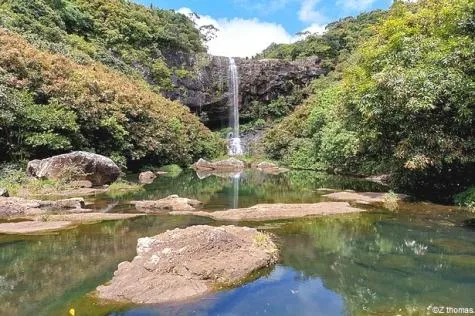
(231, 164)
(77, 165)
(168, 204)
(185, 263)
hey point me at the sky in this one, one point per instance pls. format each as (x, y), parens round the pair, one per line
(246, 27)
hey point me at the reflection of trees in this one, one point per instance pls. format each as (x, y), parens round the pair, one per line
(42, 273)
(379, 266)
(255, 187)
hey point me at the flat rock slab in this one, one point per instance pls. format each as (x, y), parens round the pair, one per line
(368, 197)
(92, 217)
(31, 227)
(186, 263)
(264, 212)
(170, 203)
(231, 164)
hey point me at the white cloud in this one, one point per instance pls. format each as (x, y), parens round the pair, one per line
(316, 28)
(309, 13)
(242, 37)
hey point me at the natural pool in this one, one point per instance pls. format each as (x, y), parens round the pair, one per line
(377, 263)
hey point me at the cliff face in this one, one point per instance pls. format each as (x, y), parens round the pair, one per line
(201, 82)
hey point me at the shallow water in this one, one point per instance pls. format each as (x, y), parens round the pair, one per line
(376, 263)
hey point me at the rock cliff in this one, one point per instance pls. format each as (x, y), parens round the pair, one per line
(201, 82)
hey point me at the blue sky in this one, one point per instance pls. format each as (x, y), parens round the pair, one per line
(248, 26)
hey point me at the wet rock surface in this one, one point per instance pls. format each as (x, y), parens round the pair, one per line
(231, 164)
(203, 84)
(269, 167)
(264, 212)
(170, 203)
(13, 206)
(30, 227)
(367, 197)
(147, 177)
(80, 165)
(186, 263)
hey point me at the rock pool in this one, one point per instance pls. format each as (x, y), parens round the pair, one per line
(379, 262)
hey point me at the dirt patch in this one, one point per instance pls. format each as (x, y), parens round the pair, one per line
(263, 212)
(186, 263)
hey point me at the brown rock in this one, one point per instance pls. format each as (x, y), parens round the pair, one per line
(264, 212)
(75, 203)
(12, 206)
(79, 165)
(170, 203)
(147, 177)
(186, 263)
(369, 197)
(269, 167)
(30, 227)
(84, 184)
(231, 164)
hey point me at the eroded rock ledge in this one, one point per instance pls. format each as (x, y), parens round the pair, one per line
(264, 212)
(185, 263)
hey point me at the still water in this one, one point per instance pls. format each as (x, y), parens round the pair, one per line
(377, 263)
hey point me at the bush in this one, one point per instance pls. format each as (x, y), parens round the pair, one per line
(55, 105)
(466, 198)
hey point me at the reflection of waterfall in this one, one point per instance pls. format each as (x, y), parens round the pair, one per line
(234, 141)
(236, 178)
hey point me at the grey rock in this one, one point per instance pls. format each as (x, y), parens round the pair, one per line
(97, 169)
(4, 192)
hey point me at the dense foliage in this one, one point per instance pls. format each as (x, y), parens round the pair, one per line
(118, 33)
(334, 46)
(51, 104)
(405, 104)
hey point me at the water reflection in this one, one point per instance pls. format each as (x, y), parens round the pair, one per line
(235, 197)
(379, 262)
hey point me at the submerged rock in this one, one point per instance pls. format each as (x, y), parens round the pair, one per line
(264, 212)
(185, 263)
(147, 177)
(170, 203)
(231, 164)
(78, 165)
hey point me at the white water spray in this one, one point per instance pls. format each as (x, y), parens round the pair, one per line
(234, 147)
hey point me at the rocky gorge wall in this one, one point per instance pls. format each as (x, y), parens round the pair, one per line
(201, 82)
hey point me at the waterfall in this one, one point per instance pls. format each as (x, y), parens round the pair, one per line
(234, 147)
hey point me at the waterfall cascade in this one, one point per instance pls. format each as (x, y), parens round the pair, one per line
(234, 141)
